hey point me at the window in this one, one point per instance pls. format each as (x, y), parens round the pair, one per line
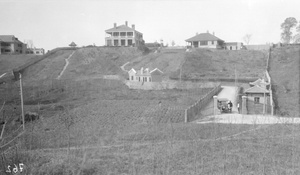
(131, 77)
(203, 43)
(20, 45)
(116, 34)
(256, 100)
(5, 44)
(129, 33)
(122, 42)
(116, 42)
(37, 52)
(145, 79)
(129, 42)
(149, 79)
(139, 78)
(212, 42)
(123, 34)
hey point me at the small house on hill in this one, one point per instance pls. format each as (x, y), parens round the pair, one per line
(233, 46)
(145, 75)
(205, 40)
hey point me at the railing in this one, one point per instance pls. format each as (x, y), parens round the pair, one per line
(111, 37)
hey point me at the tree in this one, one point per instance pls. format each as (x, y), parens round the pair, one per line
(297, 36)
(173, 43)
(247, 38)
(286, 27)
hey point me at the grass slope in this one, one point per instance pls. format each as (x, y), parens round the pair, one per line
(203, 63)
(284, 71)
(9, 62)
(85, 62)
(167, 60)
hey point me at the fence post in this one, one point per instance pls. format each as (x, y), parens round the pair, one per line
(215, 106)
(244, 105)
(185, 116)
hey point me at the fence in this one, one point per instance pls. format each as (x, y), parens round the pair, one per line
(270, 82)
(192, 111)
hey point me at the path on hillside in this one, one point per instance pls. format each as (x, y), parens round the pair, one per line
(2, 75)
(66, 65)
(122, 67)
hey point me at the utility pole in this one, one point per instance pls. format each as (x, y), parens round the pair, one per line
(21, 93)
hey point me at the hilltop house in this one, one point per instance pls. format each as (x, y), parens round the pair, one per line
(205, 40)
(144, 75)
(9, 44)
(123, 36)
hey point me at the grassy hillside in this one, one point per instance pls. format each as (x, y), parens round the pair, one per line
(85, 62)
(9, 62)
(167, 60)
(284, 71)
(205, 63)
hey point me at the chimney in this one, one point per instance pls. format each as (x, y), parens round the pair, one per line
(213, 33)
(115, 25)
(133, 27)
(126, 23)
(196, 33)
(207, 31)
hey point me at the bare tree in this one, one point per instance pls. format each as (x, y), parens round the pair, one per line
(173, 43)
(29, 44)
(247, 38)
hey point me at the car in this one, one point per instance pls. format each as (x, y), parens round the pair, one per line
(223, 105)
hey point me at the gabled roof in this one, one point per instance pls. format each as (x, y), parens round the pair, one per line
(9, 38)
(259, 82)
(256, 89)
(204, 37)
(121, 28)
(132, 70)
(155, 71)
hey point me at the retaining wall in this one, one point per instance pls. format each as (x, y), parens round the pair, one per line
(192, 111)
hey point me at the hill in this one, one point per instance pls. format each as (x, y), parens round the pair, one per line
(84, 62)
(208, 63)
(167, 60)
(9, 62)
(284, 71)
(204, 63)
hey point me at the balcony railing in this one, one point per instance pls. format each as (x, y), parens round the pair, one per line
(119, 37)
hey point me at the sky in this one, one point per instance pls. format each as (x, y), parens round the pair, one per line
(56, 23)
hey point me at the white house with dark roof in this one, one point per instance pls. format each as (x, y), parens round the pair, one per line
(123, 35)
(205, 40)
(9, 44)
(145, 75)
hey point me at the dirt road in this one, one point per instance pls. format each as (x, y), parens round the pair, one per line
(229, 92)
